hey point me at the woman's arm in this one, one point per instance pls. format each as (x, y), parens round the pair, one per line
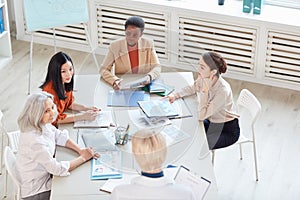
(78, 117)
(106, 67)
(85, 154)
(80, 107)
(89, 114)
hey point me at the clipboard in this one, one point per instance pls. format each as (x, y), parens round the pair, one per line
(198, 184)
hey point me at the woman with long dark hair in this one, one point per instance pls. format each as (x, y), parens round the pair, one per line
(59, 82)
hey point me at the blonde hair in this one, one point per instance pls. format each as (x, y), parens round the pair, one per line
(33, 111)
(149, 149)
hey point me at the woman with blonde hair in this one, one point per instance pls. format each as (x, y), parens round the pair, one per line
(35, 162)
(149, 150)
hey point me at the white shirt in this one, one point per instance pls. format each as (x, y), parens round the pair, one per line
(35, 162)
(145, 188)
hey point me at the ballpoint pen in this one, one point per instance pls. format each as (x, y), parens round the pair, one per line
(127, 129)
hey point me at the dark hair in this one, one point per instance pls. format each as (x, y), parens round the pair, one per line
(215, 61)
(135, 21)
(54, 75)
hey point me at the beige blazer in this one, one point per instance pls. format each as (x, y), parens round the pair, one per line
(117, 60)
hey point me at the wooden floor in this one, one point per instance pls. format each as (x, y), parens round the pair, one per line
(277, 129)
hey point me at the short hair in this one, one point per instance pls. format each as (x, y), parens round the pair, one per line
(31, 116)
(135, 21)
(54, 75)
(215, 61)
(149, 149)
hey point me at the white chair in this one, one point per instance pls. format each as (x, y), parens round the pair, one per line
(10, 164)
(13, 139)
(2, 141)
(249, 108)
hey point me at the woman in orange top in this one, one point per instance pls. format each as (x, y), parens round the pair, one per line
(59, 82)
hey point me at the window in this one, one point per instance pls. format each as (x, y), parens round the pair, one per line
(284, 3)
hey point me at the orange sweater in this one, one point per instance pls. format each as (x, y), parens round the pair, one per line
(134, 60)
(61, 105)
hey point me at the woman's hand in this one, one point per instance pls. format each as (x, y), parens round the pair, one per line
(94, 109)
(172, 97)
(89, 115)
(207, 83)
(117, 84)
(88, 153)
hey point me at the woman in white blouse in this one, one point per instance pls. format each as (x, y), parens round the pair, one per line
(216, 107)
(35, 163)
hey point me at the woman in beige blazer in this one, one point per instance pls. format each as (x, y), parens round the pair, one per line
(132, 54)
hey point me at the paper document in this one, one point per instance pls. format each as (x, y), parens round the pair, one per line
(173, 134)
(103, 120)
(107, 166)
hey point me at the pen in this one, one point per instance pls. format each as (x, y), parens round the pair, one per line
(127, 129)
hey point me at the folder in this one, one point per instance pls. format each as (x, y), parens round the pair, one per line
(107, 166)
(1, 20)
(257, 7)
(159, 88)
(100, 141)
(126, 98)
(247, 6)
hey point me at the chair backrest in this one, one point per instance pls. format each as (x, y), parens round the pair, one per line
(13, 138)
(10, 164)
(1, 123)
(249, 103)
(1, 115)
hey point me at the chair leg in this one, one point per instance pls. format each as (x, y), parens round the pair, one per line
(241, 153)
(212, 156)
(5, 185)
(255, 161)
(1, 156)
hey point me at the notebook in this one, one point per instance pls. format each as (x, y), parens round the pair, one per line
(158, 108)
(126, 98)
